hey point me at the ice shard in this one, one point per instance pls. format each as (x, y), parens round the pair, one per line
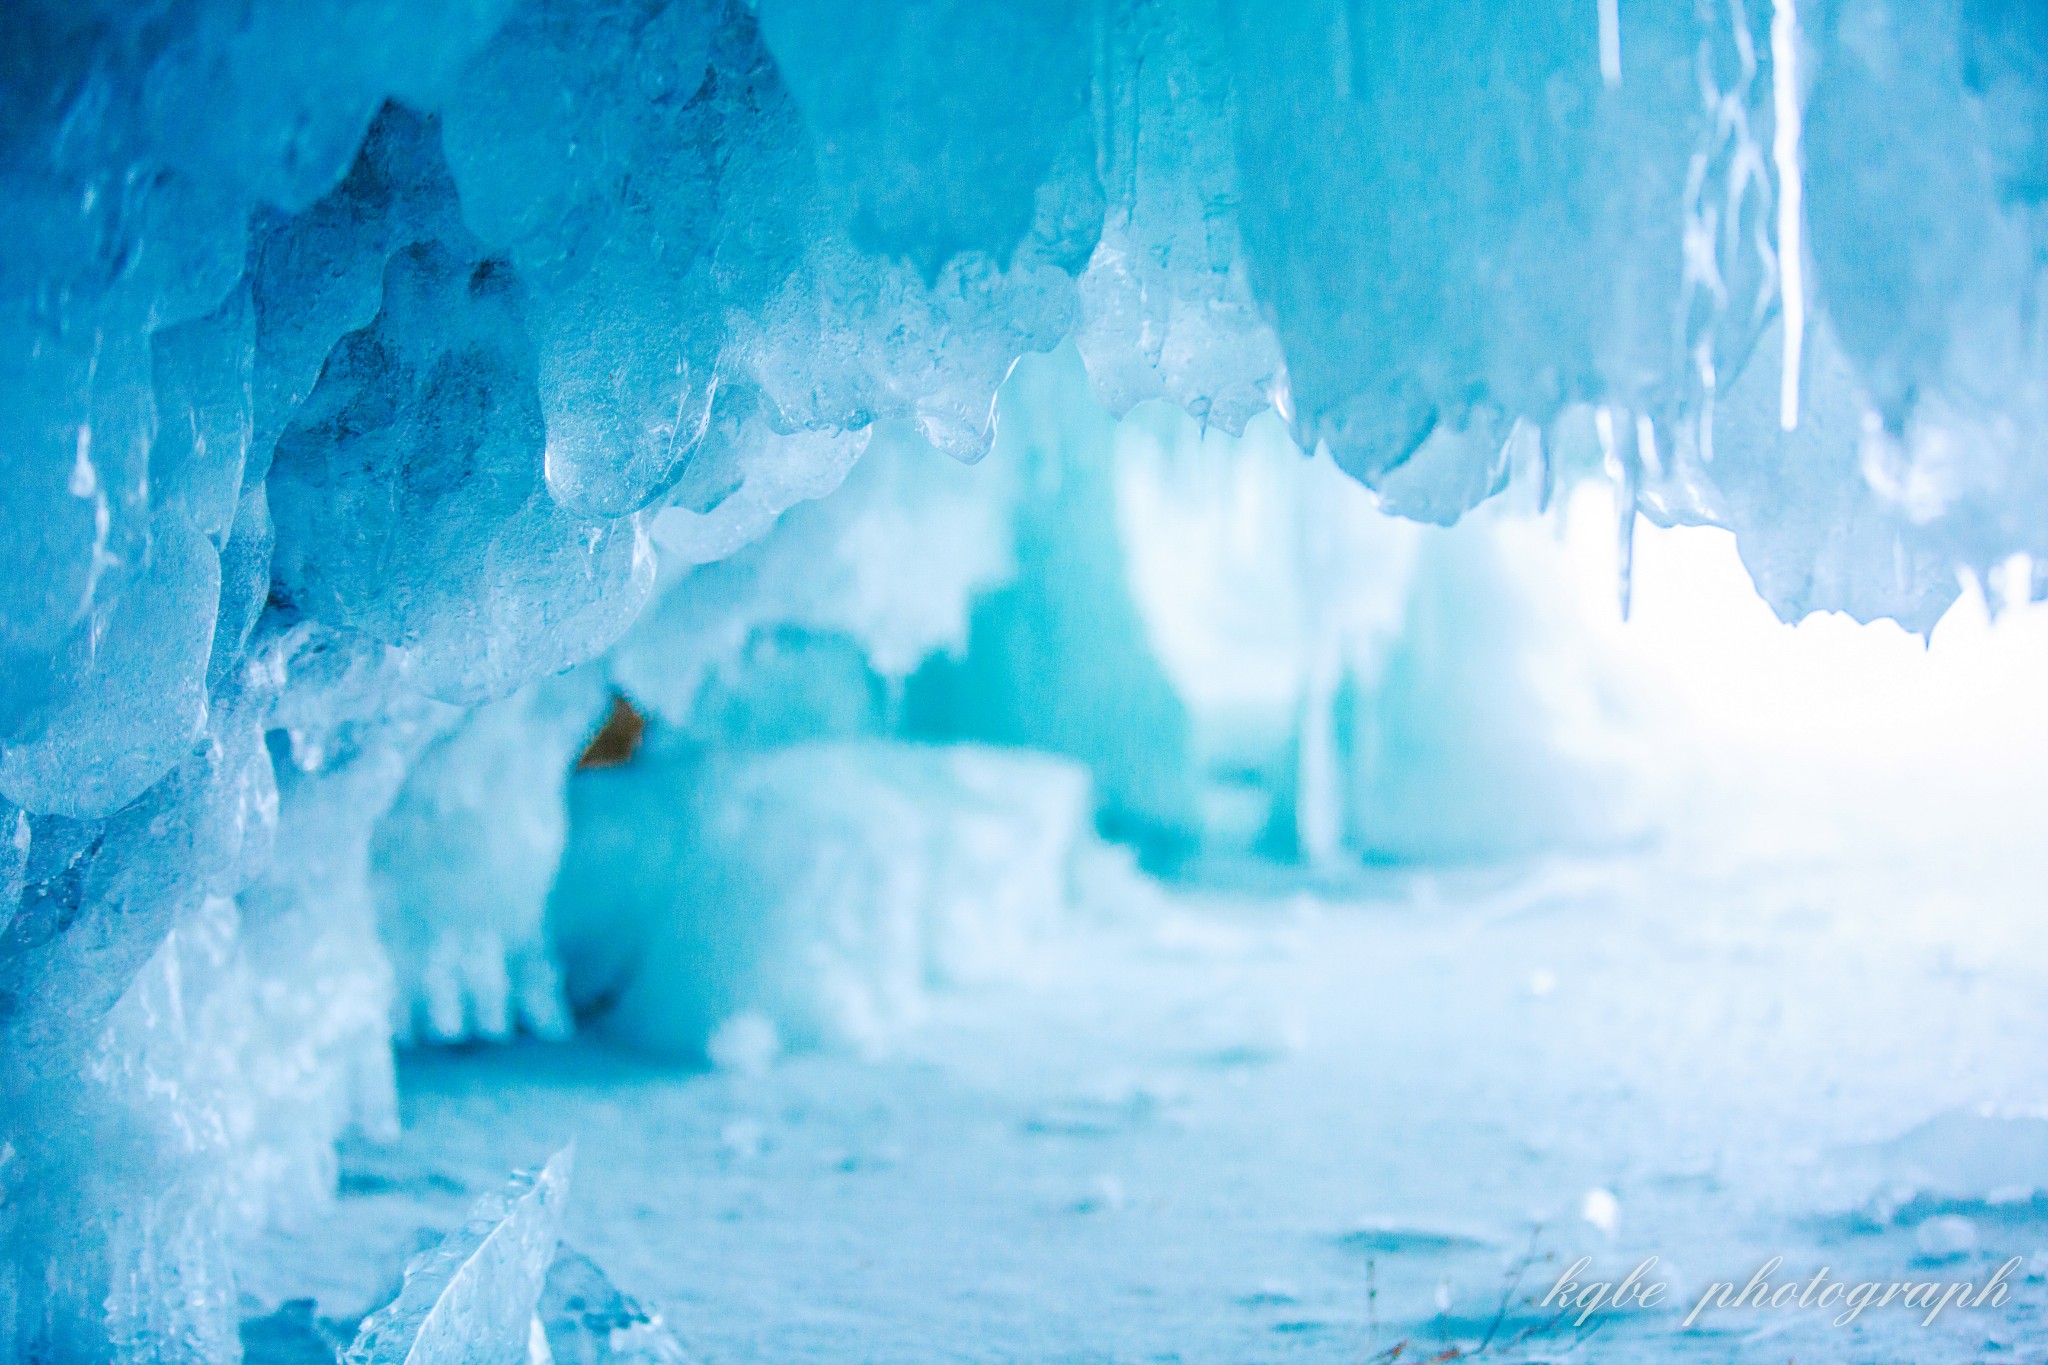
(475, 1297)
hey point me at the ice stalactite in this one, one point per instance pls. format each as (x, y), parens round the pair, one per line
(360, 368)
(1791, 213)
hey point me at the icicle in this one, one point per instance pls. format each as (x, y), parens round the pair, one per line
(1340, 54)
(1646, 446)
(1610, 44)
(1710, 388)
(1785, 153)
(1626, 470)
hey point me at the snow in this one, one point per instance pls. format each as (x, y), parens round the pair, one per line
(1193, 1136)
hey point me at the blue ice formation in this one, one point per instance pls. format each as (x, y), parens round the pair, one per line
(476, 1296)
(390, 387)
(809, 893)
(501, 1287)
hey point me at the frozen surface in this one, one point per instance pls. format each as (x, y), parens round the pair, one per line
(1193, 1135)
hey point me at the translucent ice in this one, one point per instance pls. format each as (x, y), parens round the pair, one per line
(426, 414)
(462, 862)
(589, 1322)
(1057, 658)
(475, 1296)
(130, 699)
(887, 565)
(820, 886)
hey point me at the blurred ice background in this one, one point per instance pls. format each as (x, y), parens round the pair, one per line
(1211, 917)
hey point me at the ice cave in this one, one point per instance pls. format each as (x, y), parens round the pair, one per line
(1114, 681)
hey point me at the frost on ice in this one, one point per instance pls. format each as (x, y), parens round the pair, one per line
(393, 392)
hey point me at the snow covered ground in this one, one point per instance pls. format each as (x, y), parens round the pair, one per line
(1284, 1125)
(1791, 1025)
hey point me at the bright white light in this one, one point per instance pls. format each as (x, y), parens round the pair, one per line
(1937, 735)
(1249, 566)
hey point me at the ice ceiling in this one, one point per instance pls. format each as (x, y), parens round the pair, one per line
(364, 359)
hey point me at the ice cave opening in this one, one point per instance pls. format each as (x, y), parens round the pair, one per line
(1104, 680)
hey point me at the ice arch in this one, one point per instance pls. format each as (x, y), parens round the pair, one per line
(357, 361)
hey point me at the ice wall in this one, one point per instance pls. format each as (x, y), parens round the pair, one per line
(1057, 659)
(357, 357)
(1492, 725)
(723, 904)
(1266, 585)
